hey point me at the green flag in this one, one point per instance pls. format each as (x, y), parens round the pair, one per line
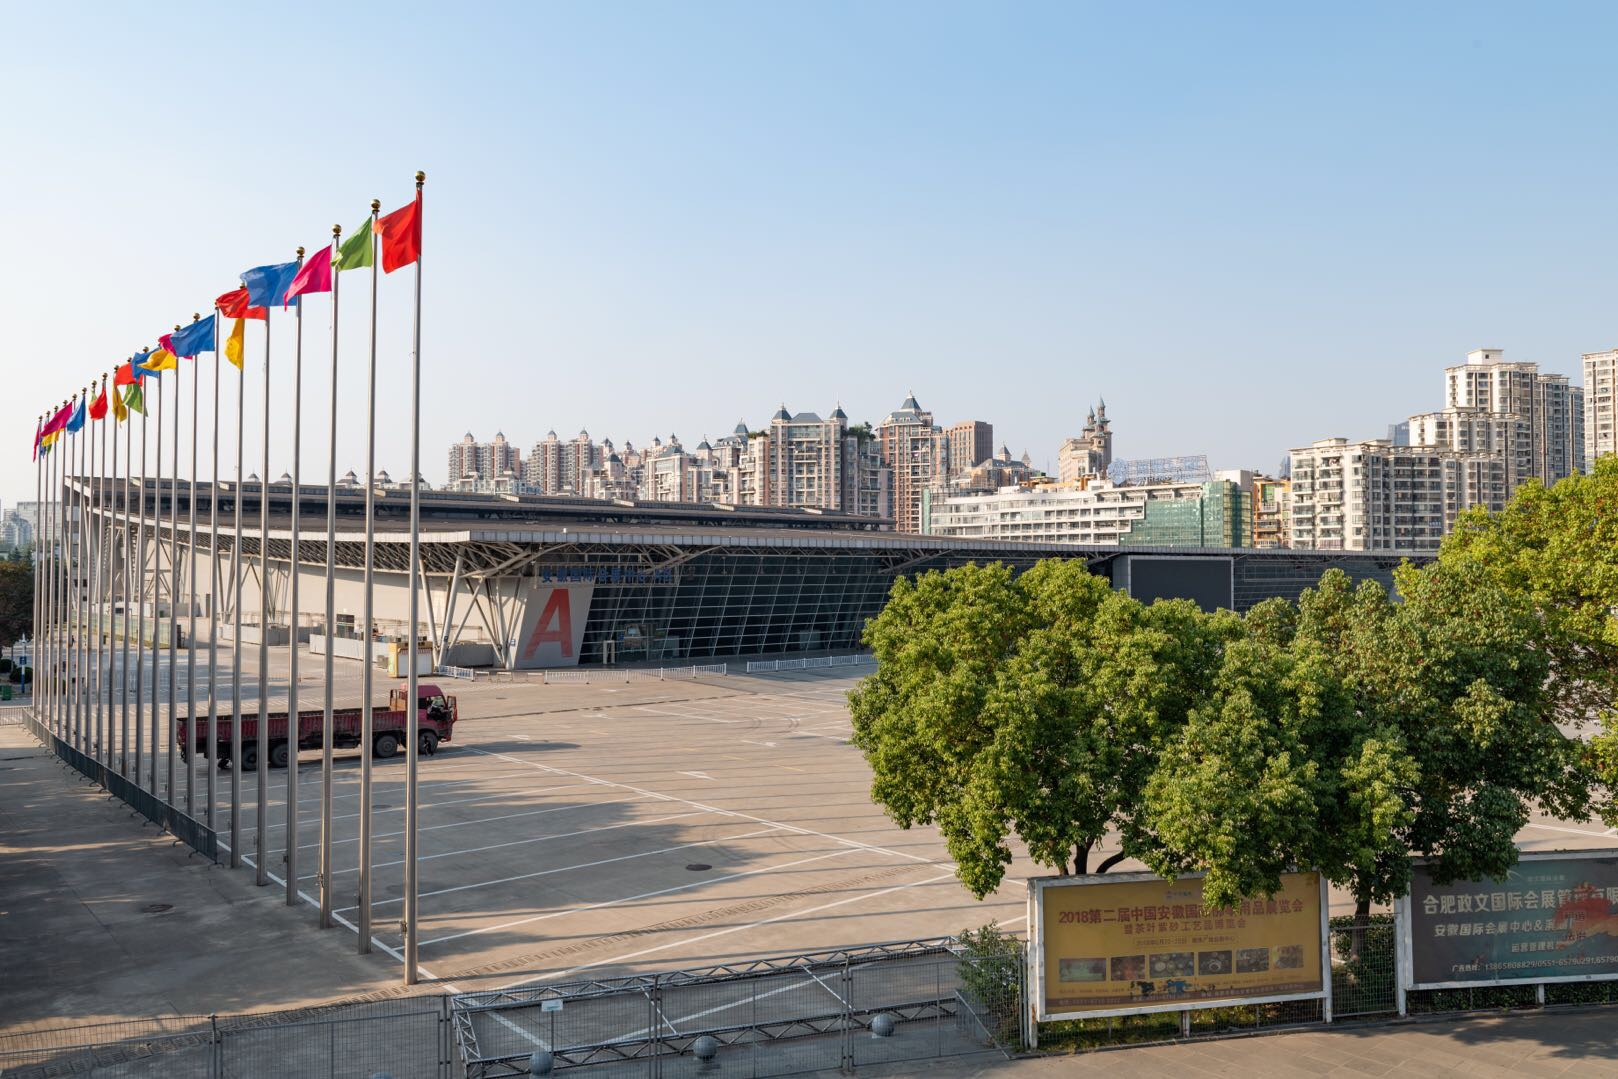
(134, 400)
(355, 251)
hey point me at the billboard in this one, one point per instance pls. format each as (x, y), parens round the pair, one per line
(1553, 918)
(550, 625)
(1126, 943)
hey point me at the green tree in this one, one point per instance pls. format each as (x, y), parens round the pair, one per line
(16, 600)
(1032, 706)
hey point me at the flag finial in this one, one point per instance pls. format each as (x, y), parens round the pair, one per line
(336, 231)
(300, 251)
(376, 205)
(196, 317)
(421, 178)
(176, 325)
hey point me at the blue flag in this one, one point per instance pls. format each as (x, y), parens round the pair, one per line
(140, 358)
(267, 285)
(75, 421)
(193, 339)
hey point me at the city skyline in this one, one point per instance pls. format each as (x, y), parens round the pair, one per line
(1012, 213)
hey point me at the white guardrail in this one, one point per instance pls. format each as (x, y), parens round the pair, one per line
(809, 663)
(584, 676)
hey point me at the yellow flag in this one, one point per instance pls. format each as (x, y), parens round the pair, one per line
(160, 360)
(233, 344)
(118, 409)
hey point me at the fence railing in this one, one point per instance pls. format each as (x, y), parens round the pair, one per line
(883, 1004)
(807, 663)
(583, 676)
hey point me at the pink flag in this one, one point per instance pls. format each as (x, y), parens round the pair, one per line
(314, 277)
(165, 342)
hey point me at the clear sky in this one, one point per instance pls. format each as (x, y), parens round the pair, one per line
(1246, 226)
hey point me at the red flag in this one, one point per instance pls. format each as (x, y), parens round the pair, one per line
(124, 375)
(234, 305)
(39, 433)
(401, 236)
(58, 421)
(98, 410)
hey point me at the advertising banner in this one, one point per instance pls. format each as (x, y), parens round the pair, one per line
(550, 627)
(1554, 918)
(1133, 942)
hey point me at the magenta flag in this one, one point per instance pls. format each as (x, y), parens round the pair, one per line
(314, 277)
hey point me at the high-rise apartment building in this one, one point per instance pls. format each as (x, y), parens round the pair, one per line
(473, 463)
(1375, 496)
(1550, 407)
(1099, 513)
(914, 450)
(1272, 505)
(969, 443)
(1090, 454)
(1600, 405)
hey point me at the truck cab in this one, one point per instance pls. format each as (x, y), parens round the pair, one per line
(438, 712)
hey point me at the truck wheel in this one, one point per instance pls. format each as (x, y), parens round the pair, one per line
(386, 745)
(250, 757)
(278, 755)
(429, 743)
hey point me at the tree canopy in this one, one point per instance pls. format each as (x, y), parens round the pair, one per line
(1347, 732)
(16, 600)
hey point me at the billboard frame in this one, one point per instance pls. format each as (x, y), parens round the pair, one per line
(1404, 935)
(1036, 952)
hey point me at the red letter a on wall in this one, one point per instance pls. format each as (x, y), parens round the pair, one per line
(555, 626)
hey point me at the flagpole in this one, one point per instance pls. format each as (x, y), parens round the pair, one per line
(191, 610)
(81, 697)
(174, 581)
(97, 555)
(126, 564)
(293, 726)
(236, 610)
(331, 609)
(412, 851)
(109, 478)
(213, 591)
(367, 674)
(139, 594)
(157, 589)
(48, 517)
(33, 630)
(261, 854)
(75, 606)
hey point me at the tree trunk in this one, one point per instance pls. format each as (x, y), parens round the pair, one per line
(1081, 858)
(1110, 861)
(1362, 920)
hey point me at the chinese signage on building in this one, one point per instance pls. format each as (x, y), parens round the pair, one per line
(1135, 942)
(1554, 918)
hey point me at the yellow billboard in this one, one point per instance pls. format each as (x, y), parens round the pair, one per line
(1134, 942)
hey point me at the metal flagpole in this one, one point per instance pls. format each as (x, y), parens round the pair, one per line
(262, 755)
(174, 581)
(74, 535)
(108, 603)
(56, 677)
(31, 685)
(213, 592)
(236, 611)
(293, 574)
(191, 604)
(412, 851)
(140, 592)
(92, 594)
(191, 610)
(157, 593)
(126, 563)
(47, 651)
(98, 550)
(81, 534)
(331, 610)
(367, 672)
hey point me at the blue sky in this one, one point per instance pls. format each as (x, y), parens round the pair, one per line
(1245, 225)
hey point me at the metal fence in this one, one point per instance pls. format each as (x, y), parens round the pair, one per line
(912, 1000)
(586, 676)
(198, 836)
(408, 1038)
(808, 663)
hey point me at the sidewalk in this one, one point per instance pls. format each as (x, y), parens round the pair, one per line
(1575, 1043)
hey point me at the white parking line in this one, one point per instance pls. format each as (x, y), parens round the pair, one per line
(632, 898)
(581, 865)
(711, 809)
(520, 842)
(723, 932)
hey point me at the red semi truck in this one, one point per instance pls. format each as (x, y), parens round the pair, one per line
(389, 729)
